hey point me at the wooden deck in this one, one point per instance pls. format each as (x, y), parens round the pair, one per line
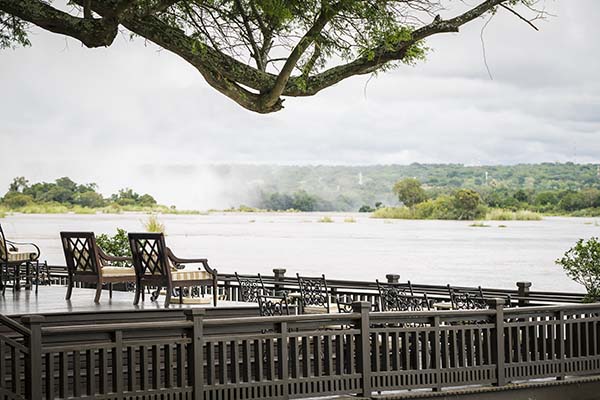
(51, 300)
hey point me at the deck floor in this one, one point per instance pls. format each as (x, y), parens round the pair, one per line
(51, 300)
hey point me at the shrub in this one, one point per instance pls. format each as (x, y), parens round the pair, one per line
(326, 219)
(17, 200)
(507, 215)
(350, 220)
(582, 264)
(117, 245)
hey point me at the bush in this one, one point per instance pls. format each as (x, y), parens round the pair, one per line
(117, 245)
(326, 219)
(394, 212)
(16, 200)
(507, 215)
(582, 264)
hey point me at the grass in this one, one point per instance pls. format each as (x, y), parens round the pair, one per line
(479, 225)
(502, 226)
(393, 213)
(349, 220)
(152, 224)
(2, 214)
(507, 215)
(326, 219)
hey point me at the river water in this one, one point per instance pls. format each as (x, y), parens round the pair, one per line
(437, 252)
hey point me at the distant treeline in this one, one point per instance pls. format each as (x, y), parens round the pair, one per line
(549, 187)
(64, 194)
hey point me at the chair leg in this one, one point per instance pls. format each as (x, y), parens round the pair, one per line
(98, 292)
(180, 295)
(215, 292)
(69, 289)
(168, 295)
(2, 281)
(138, 291)
(110, 287)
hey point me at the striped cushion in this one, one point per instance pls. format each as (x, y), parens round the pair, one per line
(190, 275)
(333, 308)
(113, 272)
(21, 256)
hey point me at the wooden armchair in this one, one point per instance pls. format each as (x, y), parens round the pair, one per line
(12, 257)
(156, 266)
(88, 263)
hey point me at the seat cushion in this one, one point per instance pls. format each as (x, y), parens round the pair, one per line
(333, 308)
(113, 272)
(190, 275)
(21, 256)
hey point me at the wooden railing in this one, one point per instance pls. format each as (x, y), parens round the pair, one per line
(367, 291)
(299, 356)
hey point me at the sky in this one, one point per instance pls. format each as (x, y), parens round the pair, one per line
(133, 115)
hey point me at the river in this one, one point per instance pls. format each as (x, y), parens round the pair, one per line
(437, 252)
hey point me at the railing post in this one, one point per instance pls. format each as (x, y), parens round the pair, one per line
(498, 350)
(523, 293)
(364, 349)
(33, 373)
(278, 276)
(393, 278)
(195, 353)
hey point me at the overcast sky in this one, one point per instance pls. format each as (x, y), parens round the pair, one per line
(104, 115)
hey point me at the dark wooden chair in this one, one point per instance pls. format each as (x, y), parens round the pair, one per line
(314, 296)
(12, 257)
(270, 306)
(157, 266)
(250, 288)
(88, 263)
(393, 297)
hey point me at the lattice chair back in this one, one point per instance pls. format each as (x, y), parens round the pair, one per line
(313, 292)
(149, 254)
(396, 298)
(80, 252)
(270, 306)
(250, 288)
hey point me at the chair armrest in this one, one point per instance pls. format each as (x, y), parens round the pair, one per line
(37, 249)
(178, 261)
(111, 258)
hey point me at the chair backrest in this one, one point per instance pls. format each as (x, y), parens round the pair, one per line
(3, 247)
(81, 253)
(313, 292)
(394, 297)
(250, 288)
(270, 306)
(149, 255)
(467, 300)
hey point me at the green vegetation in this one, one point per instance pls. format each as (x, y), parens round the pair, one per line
(298, 201)
(326, 219)
(152, 224)
(350, 220)
(479, 225)
(64, 196)
(535, 187)
(116, 245)
(582, 264)
(507, 215)
(409, 192)
(463, 204)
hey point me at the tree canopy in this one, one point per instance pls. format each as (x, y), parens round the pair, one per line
(256, 52)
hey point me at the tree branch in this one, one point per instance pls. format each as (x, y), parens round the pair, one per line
(520, 16)
(383, 54)
(90, 31)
